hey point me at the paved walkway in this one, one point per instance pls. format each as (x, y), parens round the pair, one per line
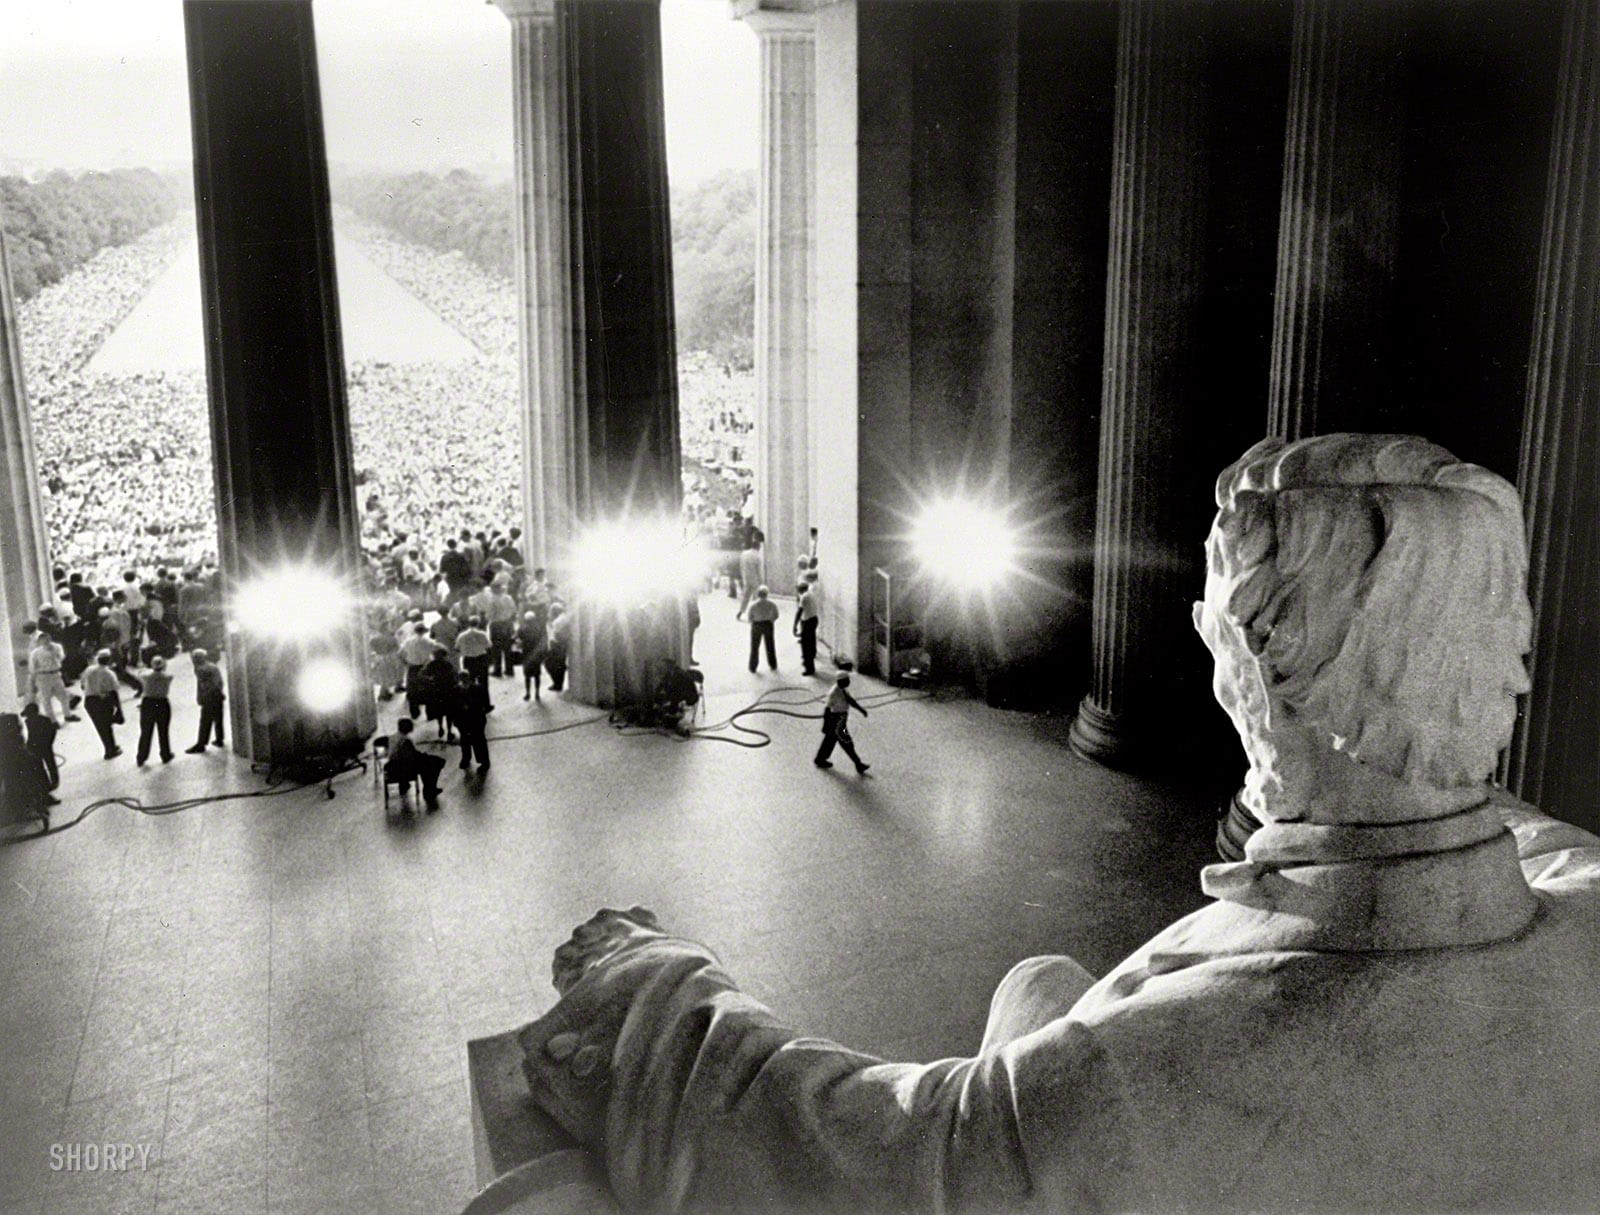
(380, 321)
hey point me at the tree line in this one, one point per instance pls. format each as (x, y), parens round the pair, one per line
(55, 224)
(713, 242)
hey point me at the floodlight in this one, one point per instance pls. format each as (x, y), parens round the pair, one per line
(963, 544)
(325, 685)
(292, 603)
(629, 563)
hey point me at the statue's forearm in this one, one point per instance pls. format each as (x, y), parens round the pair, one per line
(708, 1100)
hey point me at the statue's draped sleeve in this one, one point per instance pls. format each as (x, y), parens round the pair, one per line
(715, 1105)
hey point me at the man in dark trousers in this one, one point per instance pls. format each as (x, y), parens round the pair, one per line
(101, 702)
(806, 618)
(835, 724)
(472, 721)
(155, 712)
(763, 616)
(208, 691)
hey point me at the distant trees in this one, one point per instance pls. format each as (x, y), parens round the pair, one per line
(457, 211)
(57, 223)
(713, 242)
(714, 267)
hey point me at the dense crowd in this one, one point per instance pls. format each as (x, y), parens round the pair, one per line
(480, 306)
(125, 459)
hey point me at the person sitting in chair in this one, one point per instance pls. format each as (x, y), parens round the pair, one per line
(407, 763)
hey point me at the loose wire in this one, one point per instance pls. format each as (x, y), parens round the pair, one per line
(763, 704)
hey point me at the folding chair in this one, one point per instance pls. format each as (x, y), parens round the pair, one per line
(380, 773)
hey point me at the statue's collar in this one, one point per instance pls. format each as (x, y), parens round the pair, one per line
(1420, 885)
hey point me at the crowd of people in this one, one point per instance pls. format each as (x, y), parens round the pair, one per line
(439, 632)
(125, 459)
(89, 643)
(480, 306)
(125, 466)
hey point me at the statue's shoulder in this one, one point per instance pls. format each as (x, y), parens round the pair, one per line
(1537, 832)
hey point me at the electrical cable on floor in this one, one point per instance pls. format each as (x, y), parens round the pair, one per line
(161, 809)
(762, 704)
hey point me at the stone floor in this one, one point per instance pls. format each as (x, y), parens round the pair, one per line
(272, 995)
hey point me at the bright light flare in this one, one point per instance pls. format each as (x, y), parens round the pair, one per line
(292, 604)
(630, 563)
(963, 544)
(325, 685)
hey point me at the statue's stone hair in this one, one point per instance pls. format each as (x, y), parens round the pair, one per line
(1381, 585)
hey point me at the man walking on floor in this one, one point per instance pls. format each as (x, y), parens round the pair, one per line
(101, 701)
(836, 727)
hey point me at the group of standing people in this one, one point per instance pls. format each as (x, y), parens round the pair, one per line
(104, 641)
(440, 638)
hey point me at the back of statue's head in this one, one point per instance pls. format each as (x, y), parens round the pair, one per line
(1378, 586)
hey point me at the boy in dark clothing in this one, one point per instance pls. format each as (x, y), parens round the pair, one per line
(472, 721)
(42, 730)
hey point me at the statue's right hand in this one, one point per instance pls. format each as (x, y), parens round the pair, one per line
(597, 938)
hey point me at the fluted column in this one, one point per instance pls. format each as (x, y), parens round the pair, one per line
(624, 351)
(1338, 231)
(1339, 218)
(275, 372)
(785, 240)
(1154, 280)
(24, 547)
(1555, 757)
(544, 282)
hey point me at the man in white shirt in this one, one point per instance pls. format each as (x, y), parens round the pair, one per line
(763, 621)
(806, 619)
(133, 600)
(473, 644)
(502, 617)
(44, 670)
(101, 701)
(415, 651)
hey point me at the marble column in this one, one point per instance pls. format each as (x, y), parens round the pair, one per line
(785, 241)
(1154, 285)
(1555, 756)
(1339, 219)
(544, 282)
(627, 464)
(274, 359)
(24, 548)
(1338, 232)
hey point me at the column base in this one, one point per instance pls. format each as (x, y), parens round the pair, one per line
(616, 657)
(1235, 826)
(1102, 737)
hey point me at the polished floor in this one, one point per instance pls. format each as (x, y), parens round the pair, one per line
(271, 996)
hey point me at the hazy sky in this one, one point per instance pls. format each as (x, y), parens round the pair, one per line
(406, 84)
